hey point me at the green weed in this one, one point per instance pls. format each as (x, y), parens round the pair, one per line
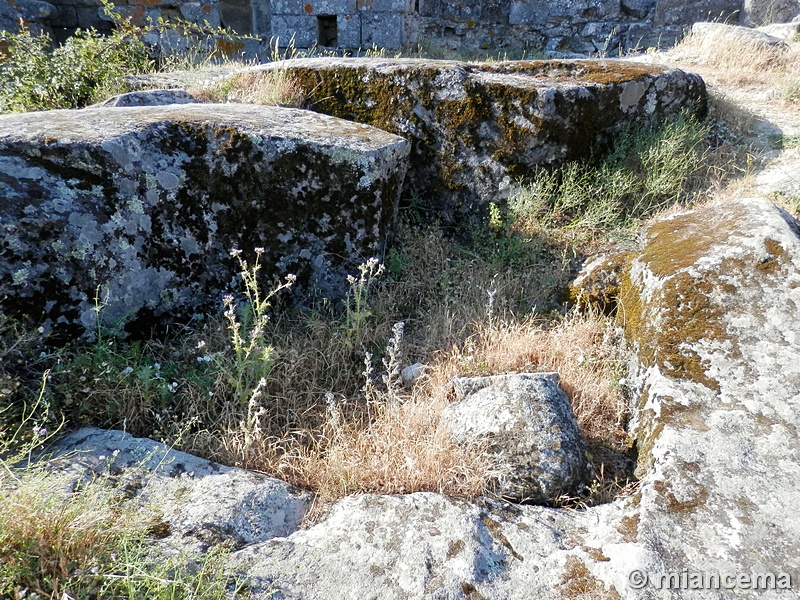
(647, 170)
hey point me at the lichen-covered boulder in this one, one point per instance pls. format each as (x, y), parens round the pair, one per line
(198, 501)
(140, 207)
(476, 128)
(709, 303)
(526, 422)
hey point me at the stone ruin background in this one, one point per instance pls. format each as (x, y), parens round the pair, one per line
(560, 27)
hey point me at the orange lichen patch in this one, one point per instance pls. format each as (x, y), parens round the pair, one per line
(308, 8)
(207, 8)
(629, 527)
(680, 506)
(577, 581)
(775, 254)
(229, 48)
(593, 71)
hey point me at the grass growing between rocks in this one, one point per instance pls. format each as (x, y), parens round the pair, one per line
(62, 536)
(733, 62)
(316, 397)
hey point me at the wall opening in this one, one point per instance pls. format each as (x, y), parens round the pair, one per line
(237, 15)
(327, 32)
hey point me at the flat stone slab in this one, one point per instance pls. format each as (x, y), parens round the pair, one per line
(477, 128)
(199, 502)
(145, 204)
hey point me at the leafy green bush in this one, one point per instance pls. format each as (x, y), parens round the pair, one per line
(36, 76)
(647, 170)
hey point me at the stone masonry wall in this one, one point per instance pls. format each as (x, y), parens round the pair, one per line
(560, 28)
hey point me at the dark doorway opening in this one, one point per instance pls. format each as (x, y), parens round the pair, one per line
(327, 32)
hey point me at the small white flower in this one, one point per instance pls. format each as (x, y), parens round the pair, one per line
(235, 252)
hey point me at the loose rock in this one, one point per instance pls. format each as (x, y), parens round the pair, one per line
(532, 436)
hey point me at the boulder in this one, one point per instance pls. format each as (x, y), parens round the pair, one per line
(764, 12)
(199, 502)
(733, 34)
(141, 207)
(477, 128)
(530, 432)
(783, 31)
(148, 98)
(32, 13)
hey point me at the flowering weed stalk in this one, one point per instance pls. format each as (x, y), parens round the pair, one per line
(253, 357)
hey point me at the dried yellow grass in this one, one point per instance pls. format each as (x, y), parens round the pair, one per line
(271, 88)
(726, 62)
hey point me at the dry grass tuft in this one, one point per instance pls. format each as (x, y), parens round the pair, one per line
(736, 63)
(271, 88)
(45, 531)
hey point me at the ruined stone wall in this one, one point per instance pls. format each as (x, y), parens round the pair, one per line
(556, 27)
(564, 27)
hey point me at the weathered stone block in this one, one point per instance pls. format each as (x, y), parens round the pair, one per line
(313, 7)
(197, 498)
(402, 6)
(385, 30)
(146, 203)
(527, 423)
(149, 98)
(476, 128)
(301, 29)
(763, 12)
(201, 13)
(349, 28)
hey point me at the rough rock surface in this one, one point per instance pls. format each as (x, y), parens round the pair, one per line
(710, 302)
(762, 12)
(146, 204)
(532, 436)
(476, 128)
(200, 502)
(29, 12)
(149, 98)
(734, 34)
